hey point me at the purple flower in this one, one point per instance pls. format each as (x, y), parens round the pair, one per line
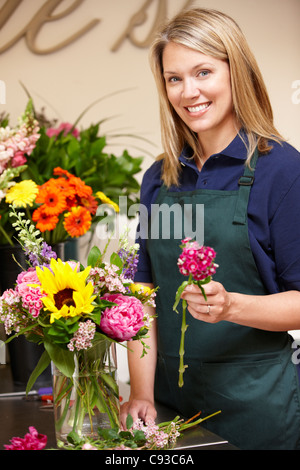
(130, 262)
(41, 258)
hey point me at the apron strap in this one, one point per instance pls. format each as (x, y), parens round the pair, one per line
(245, 183)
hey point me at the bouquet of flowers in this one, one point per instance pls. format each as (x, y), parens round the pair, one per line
(79, 161)
(62, 207)
(77, 313)
(196, 262)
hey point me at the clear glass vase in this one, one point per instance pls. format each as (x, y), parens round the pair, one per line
(90, 398)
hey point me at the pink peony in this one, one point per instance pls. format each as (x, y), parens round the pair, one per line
(123, 321)
(31, 441)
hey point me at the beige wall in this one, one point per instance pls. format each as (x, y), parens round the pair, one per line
(68, 80)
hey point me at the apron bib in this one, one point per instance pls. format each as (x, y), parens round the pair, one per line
(245, 372)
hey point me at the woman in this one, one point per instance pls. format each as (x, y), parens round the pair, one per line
(223, 153)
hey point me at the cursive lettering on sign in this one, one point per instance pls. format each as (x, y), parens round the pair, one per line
(139, 18)
(44, 15)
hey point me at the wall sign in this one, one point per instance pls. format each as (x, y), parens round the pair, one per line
(45, 15)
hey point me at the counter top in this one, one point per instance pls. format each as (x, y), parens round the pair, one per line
(18, 413)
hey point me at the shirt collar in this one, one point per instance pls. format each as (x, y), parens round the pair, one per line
(236, 149)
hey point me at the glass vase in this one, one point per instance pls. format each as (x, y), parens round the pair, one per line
(90, 398)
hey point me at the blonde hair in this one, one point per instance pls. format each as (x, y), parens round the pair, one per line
(215, 34)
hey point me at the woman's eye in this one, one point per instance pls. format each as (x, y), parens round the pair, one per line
(203, 73)
(173, 79)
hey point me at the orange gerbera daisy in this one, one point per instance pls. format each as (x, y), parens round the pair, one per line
(44, 221)
(90, 203)
(78, 221)
(54, 201)
(81, 189)
(60, 172)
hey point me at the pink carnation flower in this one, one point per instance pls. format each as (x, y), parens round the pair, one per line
(31, 296)
(31, 441)
(196, 260)
(123, 321)
(28, 277)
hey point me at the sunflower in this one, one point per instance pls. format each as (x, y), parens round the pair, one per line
(103, 198)
(67, 293)
(78, 221)
(22, 194)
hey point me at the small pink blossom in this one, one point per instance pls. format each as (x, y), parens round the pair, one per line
(122, 321)
(31, 441)
(88, 446)
(18, 159)
(82, 338)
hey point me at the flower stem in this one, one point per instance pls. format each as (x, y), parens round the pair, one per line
(184, 326)
(6, 236)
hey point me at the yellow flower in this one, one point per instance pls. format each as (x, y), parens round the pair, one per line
(67, 293)
(141, 289)
(103, 198)
(22, 194)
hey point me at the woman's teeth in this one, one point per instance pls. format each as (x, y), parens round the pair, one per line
(196, 109)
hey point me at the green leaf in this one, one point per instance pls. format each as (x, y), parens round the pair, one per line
(116, 260)
(94, 256)
(178, 295)
(62, 358)
(129, 422)
(43, 363)
(109, 434)
(74, 438)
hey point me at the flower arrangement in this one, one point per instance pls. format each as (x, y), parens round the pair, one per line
(196, 262)
(36, 151)
(62, 207)
(77, 313)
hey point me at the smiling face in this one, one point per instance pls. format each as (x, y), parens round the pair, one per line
(199, 89)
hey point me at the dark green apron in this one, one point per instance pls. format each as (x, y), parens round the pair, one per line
(245, 372)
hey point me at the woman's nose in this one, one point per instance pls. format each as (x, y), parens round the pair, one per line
(190, 89)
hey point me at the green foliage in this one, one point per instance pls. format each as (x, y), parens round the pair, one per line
(86, 158)
(111, 438)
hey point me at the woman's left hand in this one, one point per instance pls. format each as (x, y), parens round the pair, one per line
(213, 310)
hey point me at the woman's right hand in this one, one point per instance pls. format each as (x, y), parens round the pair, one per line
(142, 409)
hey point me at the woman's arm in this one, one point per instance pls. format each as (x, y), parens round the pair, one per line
(274, 312)
(142, 373)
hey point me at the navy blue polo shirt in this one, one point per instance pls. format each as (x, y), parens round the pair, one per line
(273, 209)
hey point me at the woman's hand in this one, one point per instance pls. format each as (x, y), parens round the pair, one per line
(213, 310)
(142, 409)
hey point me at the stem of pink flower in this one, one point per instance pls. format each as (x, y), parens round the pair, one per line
(184, 326)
